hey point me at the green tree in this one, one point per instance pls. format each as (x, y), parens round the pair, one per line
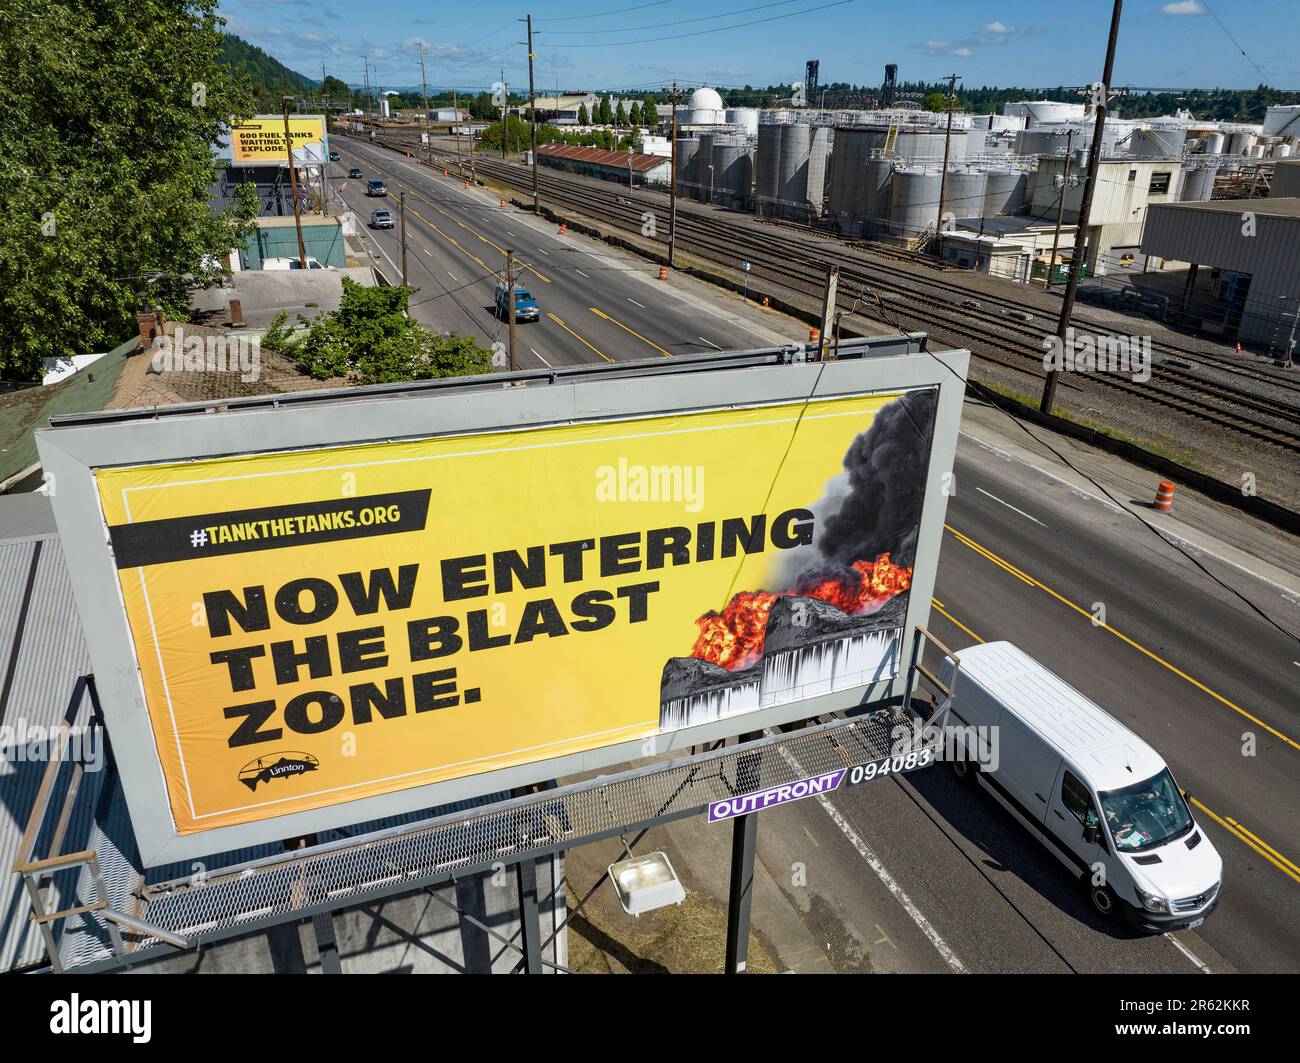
(634, 114)
(111, 113)
(936, 101)
(649, 116)
(620, 116)
(605, 115)
(583, 117)
(371, 340)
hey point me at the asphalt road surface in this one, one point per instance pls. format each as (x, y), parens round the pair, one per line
(596, 304)
(921, 873)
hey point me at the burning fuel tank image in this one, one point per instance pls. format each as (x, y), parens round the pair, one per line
(837, 620)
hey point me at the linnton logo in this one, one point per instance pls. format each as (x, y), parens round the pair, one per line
(77, 1016)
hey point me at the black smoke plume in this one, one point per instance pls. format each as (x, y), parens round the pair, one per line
(886, 467)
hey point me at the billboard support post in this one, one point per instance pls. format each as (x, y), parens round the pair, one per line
(530, 924)
(744, 844)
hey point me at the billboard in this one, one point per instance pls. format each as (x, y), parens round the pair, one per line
(259, 141)
(312, 631)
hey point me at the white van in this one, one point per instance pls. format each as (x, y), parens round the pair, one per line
(1092, 791)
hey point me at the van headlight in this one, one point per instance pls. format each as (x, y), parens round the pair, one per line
(1152, 903)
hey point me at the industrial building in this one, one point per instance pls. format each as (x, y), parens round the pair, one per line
(1250, 250)
(621, 166)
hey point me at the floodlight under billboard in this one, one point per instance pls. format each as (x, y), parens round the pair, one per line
(391, 601)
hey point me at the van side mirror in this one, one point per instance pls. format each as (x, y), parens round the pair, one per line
(1091, 833)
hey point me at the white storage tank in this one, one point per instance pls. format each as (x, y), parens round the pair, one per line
(963, 196)
(1005, 192)
(745, 119)
(1282, 120)
(1198, 185)
(914, 201)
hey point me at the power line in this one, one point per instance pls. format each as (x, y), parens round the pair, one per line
(717, 29)
(679, 22)
(1230, 37)
(606, 14)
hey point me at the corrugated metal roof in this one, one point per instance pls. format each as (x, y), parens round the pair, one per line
(42, 661)
(600, 157)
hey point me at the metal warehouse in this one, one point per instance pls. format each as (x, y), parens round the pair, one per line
(1254, 248)
(610, 165)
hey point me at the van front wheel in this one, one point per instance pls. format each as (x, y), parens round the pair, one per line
(1104, 902)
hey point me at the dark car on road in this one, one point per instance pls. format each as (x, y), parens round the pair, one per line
(334, 156)
(376, 187)
(355, 171)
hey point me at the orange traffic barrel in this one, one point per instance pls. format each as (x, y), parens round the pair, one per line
(466, 184)
(445, 173)
(1164, 496)
(503, 201)
(564, 227)
(663, 273)
(814, 335)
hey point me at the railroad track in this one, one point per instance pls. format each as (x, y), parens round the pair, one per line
(783, 255)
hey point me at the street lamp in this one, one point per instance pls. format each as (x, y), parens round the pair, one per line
(710, 184)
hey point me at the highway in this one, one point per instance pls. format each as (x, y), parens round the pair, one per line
(921, 870)
(594, 305)
(1184, 664)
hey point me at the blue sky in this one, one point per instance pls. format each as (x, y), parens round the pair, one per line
(1163, 43)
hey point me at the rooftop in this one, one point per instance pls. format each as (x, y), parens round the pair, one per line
(1267, 208)
(598, 157)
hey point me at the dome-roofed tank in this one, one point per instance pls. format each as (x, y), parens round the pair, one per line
(706, 107)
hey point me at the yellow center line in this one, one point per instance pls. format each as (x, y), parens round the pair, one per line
(1263, 844)
(1024, 577)
(575, 335)
(956, 621)
(1234, 828)
(601, 313)
(468, 228)
(1265, 851)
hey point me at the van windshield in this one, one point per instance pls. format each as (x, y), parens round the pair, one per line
(1146, 814)
(522, 296)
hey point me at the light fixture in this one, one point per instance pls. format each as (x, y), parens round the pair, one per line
(644, 883)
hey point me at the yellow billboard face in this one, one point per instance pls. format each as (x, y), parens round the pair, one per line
(259, 141)
(318, 626)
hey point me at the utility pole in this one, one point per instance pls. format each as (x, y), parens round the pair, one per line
(455, 106)
(510, 307)
(369, 131)
(828, 310)
(293, 182)
(947, 148)
(424, 81)
(1060, 210)
(505, 102)
(672, 188)
(532, 108)
(401, 214)
(1085, 207)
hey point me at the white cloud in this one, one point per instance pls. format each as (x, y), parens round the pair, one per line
(999, 27)
(961, 52)
(1183, 7)
(937, 45)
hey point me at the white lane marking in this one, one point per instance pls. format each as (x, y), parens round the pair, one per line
(509, 233)
(709, 342)
(635, 303)
(1011, 507)
(580, 273)
(453, 276)
(1188, 953)
(1288, 593)
(864, 851)
(427, 251)
(541, 359)
(543, 252)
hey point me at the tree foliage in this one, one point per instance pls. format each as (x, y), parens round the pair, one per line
(583, 117)
(371, 340)
(110, 114)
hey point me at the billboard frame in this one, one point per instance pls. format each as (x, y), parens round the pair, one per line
(278, 120)
(72, 449)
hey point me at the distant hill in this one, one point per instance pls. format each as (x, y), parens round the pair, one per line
(270, 77)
